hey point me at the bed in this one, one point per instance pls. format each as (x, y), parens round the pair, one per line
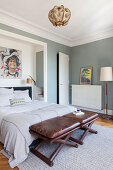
(15, 123)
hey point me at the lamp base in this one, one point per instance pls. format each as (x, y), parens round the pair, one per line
(106, 116)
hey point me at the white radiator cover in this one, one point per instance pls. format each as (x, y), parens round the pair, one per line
(89, 96)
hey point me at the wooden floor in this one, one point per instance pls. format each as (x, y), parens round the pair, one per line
(4, 161)
(104, 122)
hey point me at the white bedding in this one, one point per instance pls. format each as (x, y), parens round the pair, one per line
(15, 122)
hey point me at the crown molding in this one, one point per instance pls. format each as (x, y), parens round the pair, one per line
(24, 25)
(92, 38)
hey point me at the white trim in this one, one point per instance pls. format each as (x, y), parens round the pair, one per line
(21, 37)
(24, 25)
(36, 42)
(45, 73)
(91, 38)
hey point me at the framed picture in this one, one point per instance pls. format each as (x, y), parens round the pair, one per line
(86, 75)
(10, 63)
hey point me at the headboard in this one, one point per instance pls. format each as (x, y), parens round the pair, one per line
(22, 88)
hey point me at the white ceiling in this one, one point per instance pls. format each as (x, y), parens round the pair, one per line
(90, 20)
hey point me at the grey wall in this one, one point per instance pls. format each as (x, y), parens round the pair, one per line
(96, 54)
(52, 49)
(40, 69)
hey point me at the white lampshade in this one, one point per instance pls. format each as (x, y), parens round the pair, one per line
(106, 74)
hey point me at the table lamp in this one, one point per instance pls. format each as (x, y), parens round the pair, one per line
(30, 80)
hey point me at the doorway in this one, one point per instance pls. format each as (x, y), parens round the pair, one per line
(35, 44)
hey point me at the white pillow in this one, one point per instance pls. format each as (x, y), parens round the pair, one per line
(22, 94)
(6, 91)
(5, 99)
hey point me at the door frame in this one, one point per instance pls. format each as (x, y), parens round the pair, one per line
(35, 42)
(58, 78)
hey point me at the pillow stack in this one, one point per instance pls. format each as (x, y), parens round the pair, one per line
(18, 94)
(5, 96)
(13, 98)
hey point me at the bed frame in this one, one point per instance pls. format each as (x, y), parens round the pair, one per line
(22, 88)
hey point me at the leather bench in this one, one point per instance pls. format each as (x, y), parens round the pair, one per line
(86, 121)
(59, 130)
(54, 127)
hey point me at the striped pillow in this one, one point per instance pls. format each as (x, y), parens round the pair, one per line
(16, 102)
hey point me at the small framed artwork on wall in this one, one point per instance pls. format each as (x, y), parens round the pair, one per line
(86, 75)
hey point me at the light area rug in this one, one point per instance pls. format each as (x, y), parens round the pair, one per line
(95, 154)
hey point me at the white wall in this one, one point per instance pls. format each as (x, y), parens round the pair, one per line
(28, 56)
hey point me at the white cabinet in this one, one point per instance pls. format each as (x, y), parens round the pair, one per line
(89, 96)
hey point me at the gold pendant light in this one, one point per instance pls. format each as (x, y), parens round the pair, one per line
(59, 16)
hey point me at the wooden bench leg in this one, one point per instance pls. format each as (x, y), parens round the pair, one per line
(49, 160)
(90, 130)
(76, 140)
(86, 129)
(39, 144)
(85, 133)
(63, 142)
(55, 153)
(68, 143)
(42, 157)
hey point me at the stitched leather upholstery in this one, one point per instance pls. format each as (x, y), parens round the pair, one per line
(54, 127)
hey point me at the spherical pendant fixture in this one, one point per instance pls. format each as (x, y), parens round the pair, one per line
(59, 16)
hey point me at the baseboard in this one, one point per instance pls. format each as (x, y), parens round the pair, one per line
(110, 112)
